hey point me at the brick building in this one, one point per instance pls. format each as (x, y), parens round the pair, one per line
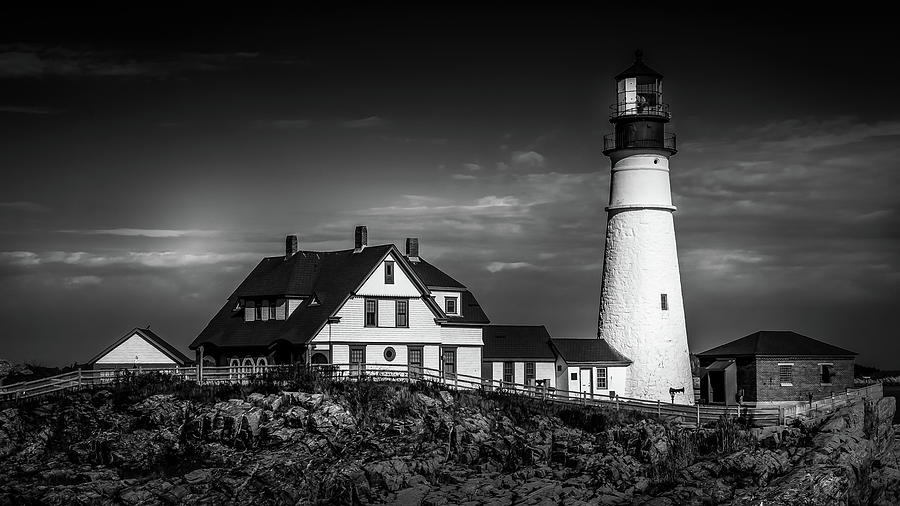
(769, 367)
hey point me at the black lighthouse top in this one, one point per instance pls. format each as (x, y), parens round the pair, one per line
(638, 68)
(639, 114)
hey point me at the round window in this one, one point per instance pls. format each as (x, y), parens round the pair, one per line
(389, 354)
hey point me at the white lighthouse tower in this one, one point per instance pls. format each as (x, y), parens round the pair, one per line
(641, 308)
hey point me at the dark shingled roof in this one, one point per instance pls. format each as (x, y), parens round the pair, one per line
(508, 342)
(332, 276)
(151, 337)
(576, 351)
(434, 277)
(775, 342)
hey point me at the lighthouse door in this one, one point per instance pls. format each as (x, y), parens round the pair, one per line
(586, 383)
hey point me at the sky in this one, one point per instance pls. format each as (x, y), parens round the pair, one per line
(151, 158)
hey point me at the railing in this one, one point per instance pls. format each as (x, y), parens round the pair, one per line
(623, 109)
(689, 415)
(612, 142)
(821, 406)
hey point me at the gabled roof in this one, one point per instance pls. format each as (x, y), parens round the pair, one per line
(775, 342)
(524, 342)
(331, 276)
(151, 337)
(594, 350)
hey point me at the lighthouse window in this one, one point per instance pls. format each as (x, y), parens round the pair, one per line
(664, 302)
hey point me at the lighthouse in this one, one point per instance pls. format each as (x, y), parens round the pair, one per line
(641, 307)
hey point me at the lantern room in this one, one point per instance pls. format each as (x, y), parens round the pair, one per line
(639, 115)
(639, 91)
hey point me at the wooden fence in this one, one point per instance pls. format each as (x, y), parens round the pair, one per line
(688, 415)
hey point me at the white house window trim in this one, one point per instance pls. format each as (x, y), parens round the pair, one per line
(790, 374)
(388, 272)
(401, 313)
(374, 312)
(451, 305)
(602, 380)
(508, 372)
(830, 366)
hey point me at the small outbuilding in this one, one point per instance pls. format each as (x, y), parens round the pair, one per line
(139, 348)
(518, 354)
(590, 366)
(772, 367)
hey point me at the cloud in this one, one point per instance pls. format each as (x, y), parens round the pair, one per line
(495, 267)
(463, 177)
(527, 159)
(144, 232)
(471, 166)
(24, 206)
(282, 124)
(369, 122)
(151, 259)
(78, 281)
(31, 60)
(26, 109)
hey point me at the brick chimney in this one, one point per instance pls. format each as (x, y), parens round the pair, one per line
(412, 249)
(291, 245)
(361, 238)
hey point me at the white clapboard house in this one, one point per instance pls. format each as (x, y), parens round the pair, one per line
(363, 307)
(139, 349)
(527, 355)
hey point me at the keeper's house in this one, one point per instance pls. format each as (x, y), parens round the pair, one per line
(771, 367)
(139, 348)
(363, 307)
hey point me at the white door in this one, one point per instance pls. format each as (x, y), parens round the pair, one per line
(585, 377)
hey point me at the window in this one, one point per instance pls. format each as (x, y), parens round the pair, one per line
(574, 376)
(664, 302)
(371, 313)
(273, 311)
(786, 374)
(529, 373)
(390, 354)
(450, 305)
(826, 373)
(389, 272)
(357, 360)
(250, 311)
(259, 312)
(507, 372)
(449, 362)
(558, 368)
(264, 310)
(402, 313)
(415, 362)
(601, 378)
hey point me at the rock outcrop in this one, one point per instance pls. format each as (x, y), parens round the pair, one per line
(418, 445)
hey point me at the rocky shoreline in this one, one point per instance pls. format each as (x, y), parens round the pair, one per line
(382, 443)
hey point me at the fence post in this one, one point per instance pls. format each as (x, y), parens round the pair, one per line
(658, 408)
(698, 416)
(617, 402)
(79, 378)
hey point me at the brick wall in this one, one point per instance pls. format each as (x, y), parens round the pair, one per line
(806, 378)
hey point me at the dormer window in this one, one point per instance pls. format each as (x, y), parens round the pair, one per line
(450, 305)
(262, 311)
(389, 272)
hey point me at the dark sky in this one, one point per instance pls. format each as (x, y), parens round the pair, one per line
(150, 158)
